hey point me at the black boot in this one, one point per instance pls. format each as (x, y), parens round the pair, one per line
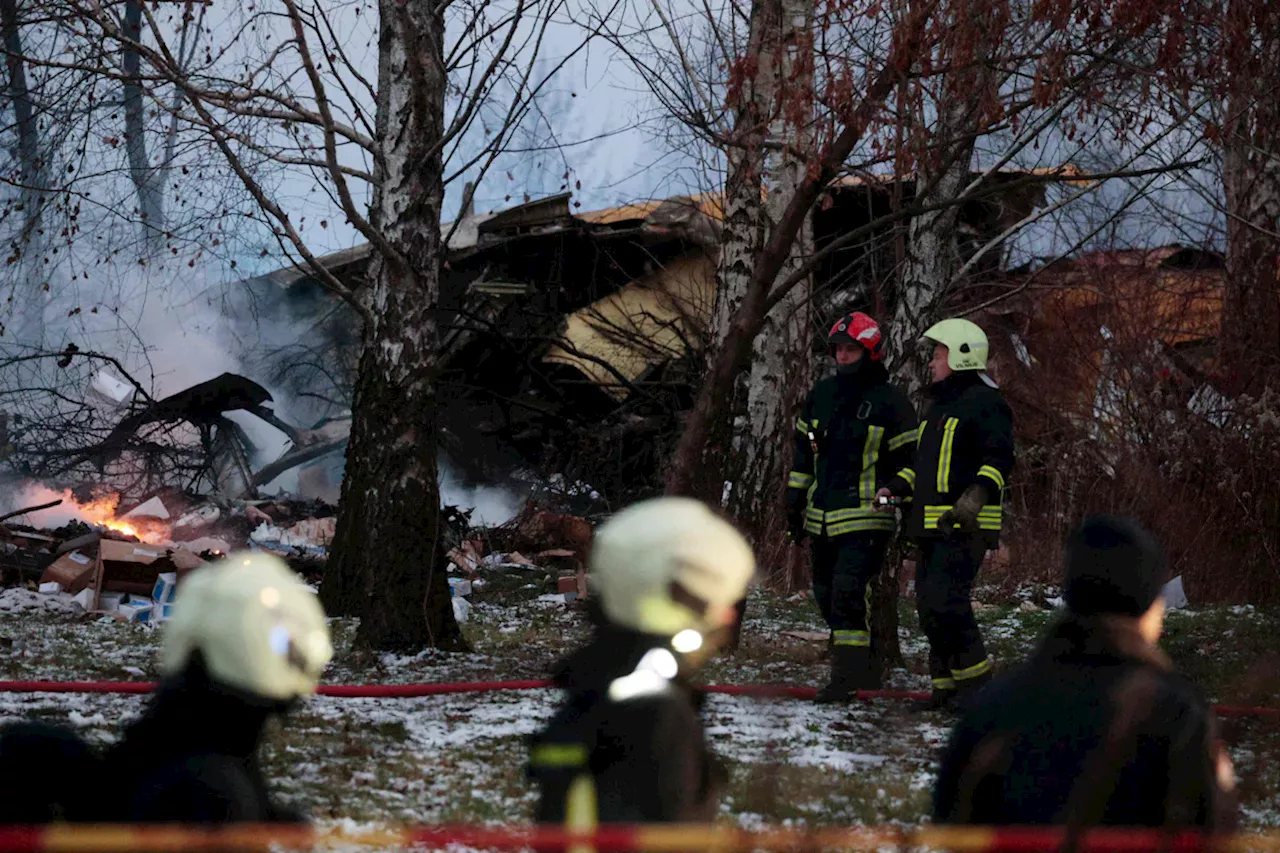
(852, 669)
(943, 698)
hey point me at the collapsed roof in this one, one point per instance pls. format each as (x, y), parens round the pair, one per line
(552, 320)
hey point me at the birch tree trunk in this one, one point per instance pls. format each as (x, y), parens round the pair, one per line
(760, 187)
(386, 564)
(686, 475)
(29, 244)
(1249, 338)
(741, 236)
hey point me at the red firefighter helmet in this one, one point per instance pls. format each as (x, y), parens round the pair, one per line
(858, 328)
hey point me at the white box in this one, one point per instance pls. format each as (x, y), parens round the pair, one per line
(50, 588)
(459, 587)
(110, 601)
(151, 508)
(84, 598)
(1175, 596)
(166, 585)
(136, 612)
(162, 612)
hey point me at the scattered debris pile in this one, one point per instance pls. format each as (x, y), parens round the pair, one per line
(80, 538)
(535, 553)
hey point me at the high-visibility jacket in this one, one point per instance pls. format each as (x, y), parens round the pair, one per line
(633, 755)
(966, 438)
(854, 432)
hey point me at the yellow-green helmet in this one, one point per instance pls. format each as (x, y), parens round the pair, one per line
(256, 625)
(665, 565)
(966, 343)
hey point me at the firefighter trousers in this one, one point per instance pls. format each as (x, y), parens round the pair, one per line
(944, 586)
(843, 568)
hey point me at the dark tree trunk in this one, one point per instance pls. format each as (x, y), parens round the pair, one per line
(1249, 339)
(32, 173)
(386, 564)
(146, 180)
(884, 605)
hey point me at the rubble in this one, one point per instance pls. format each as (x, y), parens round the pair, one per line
(166, 531)
(110, 390)
(22, 600)
(1175, 596)
(309, 537)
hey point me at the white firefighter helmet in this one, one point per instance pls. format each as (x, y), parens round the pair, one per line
(669, 565)
(965, 341)
(257, 626)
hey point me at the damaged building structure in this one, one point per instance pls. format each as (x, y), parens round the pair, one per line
(570, 340)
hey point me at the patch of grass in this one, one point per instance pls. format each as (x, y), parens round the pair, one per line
(779, 792)
(1231, 653)
(375, 764)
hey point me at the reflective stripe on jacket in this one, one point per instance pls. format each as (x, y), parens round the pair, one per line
(966, 438)
(854, 432)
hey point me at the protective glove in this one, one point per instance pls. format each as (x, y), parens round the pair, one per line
(964, 515)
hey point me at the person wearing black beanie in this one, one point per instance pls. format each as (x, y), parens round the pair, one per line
(1095, 728)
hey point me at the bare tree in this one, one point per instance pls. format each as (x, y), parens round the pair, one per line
(31, 178)
(284, 92)
(768, 395)
(1250, 337)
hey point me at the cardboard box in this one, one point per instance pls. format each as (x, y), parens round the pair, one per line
(109, 601)
(459, 587)
(73, 571)
(161, 612)
(134, 567)
(572, 586)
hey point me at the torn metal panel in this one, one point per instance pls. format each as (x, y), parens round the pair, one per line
(552, 210)
(648, 322)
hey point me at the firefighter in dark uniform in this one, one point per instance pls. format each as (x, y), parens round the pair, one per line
(247, 641)
(855, 431)
(627, 745)
(956, 486)
(1096, 728)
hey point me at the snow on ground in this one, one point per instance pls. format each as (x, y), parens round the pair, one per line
(461, 757)
(16, 600)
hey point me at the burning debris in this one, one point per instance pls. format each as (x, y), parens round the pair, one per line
(75, 538)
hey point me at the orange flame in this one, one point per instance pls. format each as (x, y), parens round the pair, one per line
(101, 511)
